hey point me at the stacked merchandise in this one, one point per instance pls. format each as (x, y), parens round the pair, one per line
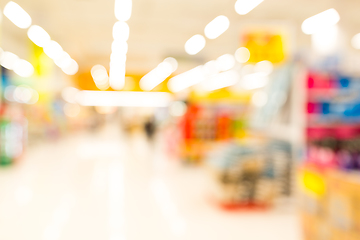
(330, 179)
(13, 127)
(13, 134)
(203, 125)
(250, 175)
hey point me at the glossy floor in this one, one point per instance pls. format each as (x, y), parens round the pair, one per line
(106, 186)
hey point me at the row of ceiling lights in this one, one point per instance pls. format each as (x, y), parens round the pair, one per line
(217, 73)
(119, 49)
(219, 25)
(41, 38)
(193, 46)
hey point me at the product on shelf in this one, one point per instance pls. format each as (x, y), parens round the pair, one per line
(13, 134)
(205, 124)
(250, 174)
(330, 181)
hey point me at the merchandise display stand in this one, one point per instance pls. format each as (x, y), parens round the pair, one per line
(329, 179)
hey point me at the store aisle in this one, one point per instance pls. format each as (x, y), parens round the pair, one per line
(108, 186)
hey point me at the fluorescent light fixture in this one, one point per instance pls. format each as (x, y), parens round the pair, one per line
(225, 62)
(119, 47)
(72, 69)
(117, 71)
(17, 15)
(123, 99)
(220, 80)
(98, 70)
(173, 62)
(186, 79)
(243, 7)
(320, 21)
(265, 67)
(38, 36)
(100, 76)
(103, 86)
(63, 61)
(217, 27)
(117, 77)
(355, 41)
(8, 60)
(117, 60)
(23, 68)
(69, 94)
(53, 50)
(242, 55)
(210, 68)
(121, 31)
(254, 81)
(195, 44)
(247, 69)
(325, 41)
(158, 74)
(123, 9)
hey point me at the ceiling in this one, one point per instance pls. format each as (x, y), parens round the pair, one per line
(160, 28)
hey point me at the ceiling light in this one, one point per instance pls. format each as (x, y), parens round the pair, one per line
(53, 50)
(38, 36)
(72, 69)
(117, 59)
(23, 68)
(248, 69)
(265, 67)
(121, 31)
(124, 99)
(254, 81)
(69, 94)
(225, 62)
(242, 55)
(117, 76)
(156, 76)
(173, 62)
(63, 61)
(221, 80)
(119, 47)
(210, 68)
(217, 27)
(243, 7)
(8, 60)
(186, 79)
(99, 74)
(195, 44)
(320, 21)
(117, 81)
(17, 15)
(325, 41)
(123, 9)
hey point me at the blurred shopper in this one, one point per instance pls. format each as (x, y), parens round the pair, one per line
(150, 128)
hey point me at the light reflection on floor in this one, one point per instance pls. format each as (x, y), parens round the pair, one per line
(110, 187)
